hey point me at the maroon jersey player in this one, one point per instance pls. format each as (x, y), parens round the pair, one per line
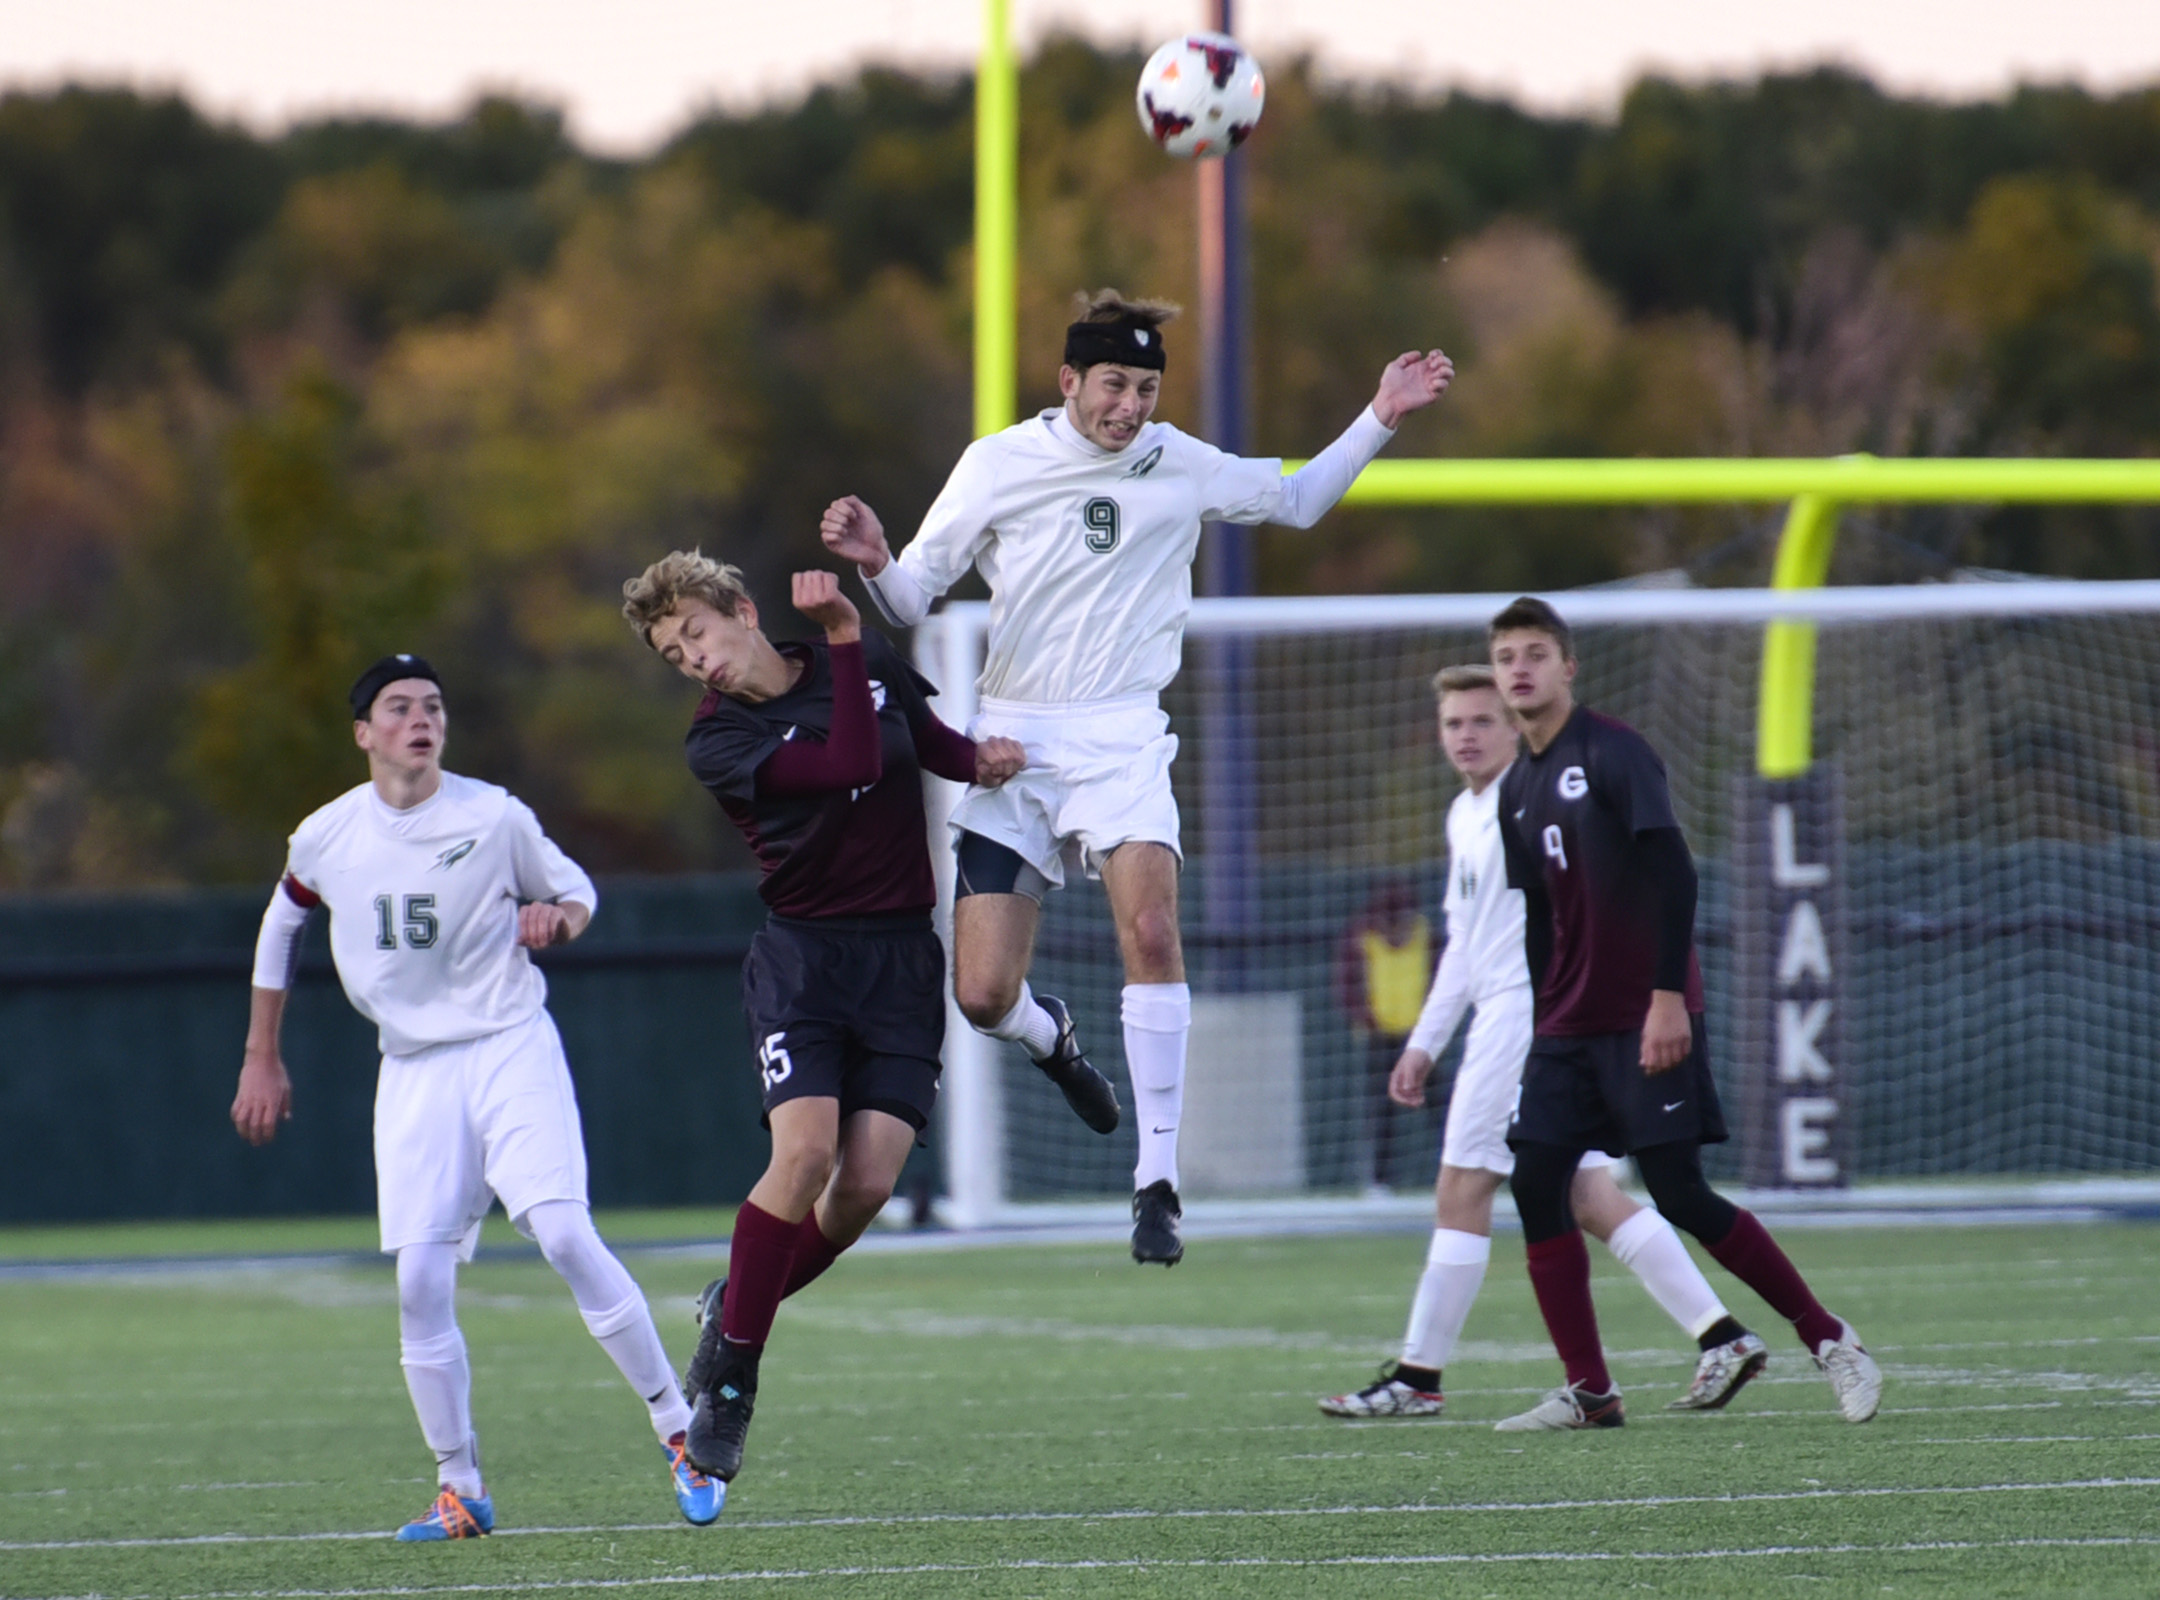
(815, 751)
(1620, 1061)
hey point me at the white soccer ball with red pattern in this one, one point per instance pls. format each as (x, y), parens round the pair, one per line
(1200, 95)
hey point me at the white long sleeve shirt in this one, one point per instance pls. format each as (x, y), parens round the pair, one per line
(1484, 955)
(1088, 552)
(424, 908)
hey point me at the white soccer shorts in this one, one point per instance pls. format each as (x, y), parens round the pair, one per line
(1098, 776)
(458, 1125)
(1487, 1084)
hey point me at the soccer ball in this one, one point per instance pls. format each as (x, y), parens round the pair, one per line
(1200, 95)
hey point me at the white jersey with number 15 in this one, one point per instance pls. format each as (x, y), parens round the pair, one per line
(424, 904)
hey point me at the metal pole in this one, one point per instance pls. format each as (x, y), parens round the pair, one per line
(1229, 790)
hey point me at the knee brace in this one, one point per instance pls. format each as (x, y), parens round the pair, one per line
(427, 1292)
(1673, 1174)
(1540, 1186)
(564, 1231)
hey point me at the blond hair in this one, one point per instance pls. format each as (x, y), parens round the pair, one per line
(681, 575)
(1454, 680)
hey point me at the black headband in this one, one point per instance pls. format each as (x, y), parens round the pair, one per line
(389, 670)
(1125, 344)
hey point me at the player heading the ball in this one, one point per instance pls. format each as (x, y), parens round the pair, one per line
(439, 887)
(1620, 1061)
(1084, 521)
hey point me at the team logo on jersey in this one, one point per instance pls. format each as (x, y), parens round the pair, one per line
(457, 852)
(1146, 464)
(1573, 784)
(877, 695)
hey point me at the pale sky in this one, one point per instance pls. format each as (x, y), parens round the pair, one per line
(630, 72)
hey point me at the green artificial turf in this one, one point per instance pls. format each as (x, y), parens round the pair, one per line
(1056, 1421)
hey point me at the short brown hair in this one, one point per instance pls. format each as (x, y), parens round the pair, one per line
(1534, 614)
(681, 575)
(1455, 680)
(1109, 305)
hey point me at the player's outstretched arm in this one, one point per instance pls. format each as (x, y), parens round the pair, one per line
(265, 1096)
(1411, 382)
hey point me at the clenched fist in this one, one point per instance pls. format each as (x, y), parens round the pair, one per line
(817, 596)
(852, 532)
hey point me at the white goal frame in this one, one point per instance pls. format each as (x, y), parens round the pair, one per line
(949, 647)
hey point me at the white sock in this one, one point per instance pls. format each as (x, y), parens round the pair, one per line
(1648, 1247)
(439, 1379)
(613, 1307)
(627, 1334)
(432, 1352)
(1454, 1271)
(1028, 1025)
(1158, 1020)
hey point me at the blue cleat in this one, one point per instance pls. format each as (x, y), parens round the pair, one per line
(699, 1498)
(452, 1516)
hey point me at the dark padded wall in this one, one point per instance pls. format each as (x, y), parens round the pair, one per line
(122, 1018)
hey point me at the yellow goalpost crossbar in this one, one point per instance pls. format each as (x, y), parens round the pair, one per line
(1816, 487)
(1847, 480)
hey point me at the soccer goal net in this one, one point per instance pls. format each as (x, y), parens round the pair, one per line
(1931, 954)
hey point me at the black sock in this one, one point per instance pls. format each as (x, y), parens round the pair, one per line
(1722, 1331)
(1424, 1379)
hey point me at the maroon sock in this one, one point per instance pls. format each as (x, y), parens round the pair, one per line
(759, 1258)
(1751, 1255)
(813, 1254)
(1560, 1273)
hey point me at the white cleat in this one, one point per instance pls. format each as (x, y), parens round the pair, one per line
(1853, 1375)
(1720, 1373)
(1387, 1397)
(1565, 1410)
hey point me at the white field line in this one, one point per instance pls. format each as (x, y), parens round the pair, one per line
(2142, 1390)
(1471, 1352)
(1233, 1514)
(1217, 1564)
(2046, 1438)
(1201, 1337)
(1787, 1368)
(1408, 1429)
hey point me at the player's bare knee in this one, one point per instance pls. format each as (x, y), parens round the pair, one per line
(1153, 953)
(985, 999)
(1598, 1203)
(801, 1171)
(857, 1198)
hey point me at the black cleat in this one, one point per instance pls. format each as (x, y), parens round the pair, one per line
(1155, 1213)
(1086, 1090)
(707, 1316)
(721, 1418)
